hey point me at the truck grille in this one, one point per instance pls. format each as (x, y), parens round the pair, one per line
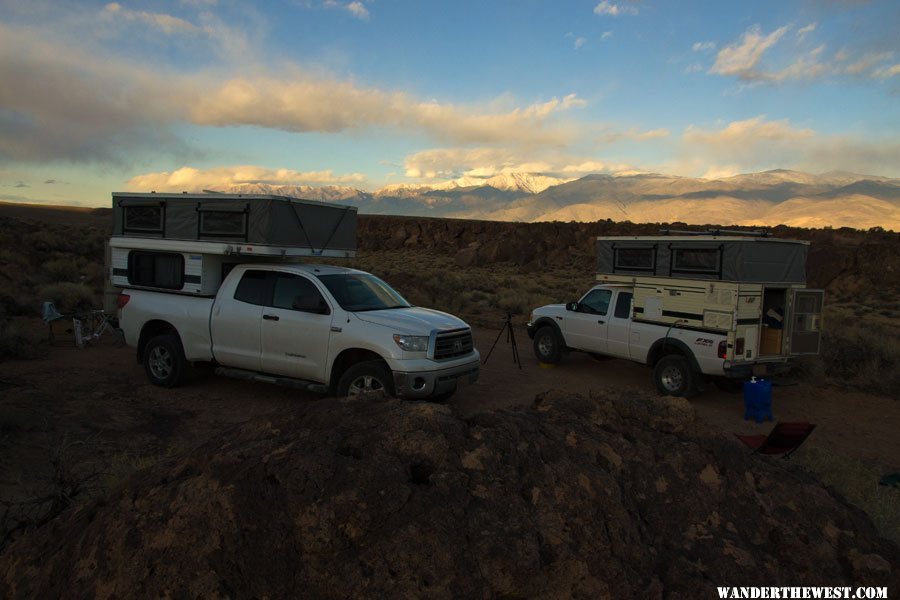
(450, 344)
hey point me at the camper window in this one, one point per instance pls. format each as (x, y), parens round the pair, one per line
(635, 259)
(156, 269)
(695, 260)
(220, 222)
(144, 219)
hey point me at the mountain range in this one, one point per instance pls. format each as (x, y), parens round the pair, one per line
(835, 199)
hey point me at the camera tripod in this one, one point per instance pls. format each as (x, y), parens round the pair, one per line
(510, 339)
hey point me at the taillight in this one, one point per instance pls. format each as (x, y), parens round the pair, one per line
(739, 347)
(122, 300)
(723, 349)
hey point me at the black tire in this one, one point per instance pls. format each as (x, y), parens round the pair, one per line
(164, 361)
(368, 376)
(732, 386)
(548, 346)
(674, 376)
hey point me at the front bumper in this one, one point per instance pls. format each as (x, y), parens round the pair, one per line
(531, 329)
(424, 384)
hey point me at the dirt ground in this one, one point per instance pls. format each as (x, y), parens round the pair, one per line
(97, 403)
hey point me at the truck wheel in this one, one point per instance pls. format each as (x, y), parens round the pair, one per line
(368, 376)
(164, 361)
(674, 376)
(547, 345)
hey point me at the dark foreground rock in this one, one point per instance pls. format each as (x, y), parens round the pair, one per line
(609, 496)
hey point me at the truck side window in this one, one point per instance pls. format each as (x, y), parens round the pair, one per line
(623, 305)
(595, 302)
(294, 292)
(254, 288)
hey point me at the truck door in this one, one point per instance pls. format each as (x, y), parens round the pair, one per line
(236, 320)
(586, 327)
(619, 327)
(805, 323)
(296, 328)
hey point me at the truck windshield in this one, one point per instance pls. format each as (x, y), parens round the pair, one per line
(357, 292)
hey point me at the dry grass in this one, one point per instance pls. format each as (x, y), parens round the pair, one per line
(858, 483)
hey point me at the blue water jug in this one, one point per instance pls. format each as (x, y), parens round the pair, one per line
(757, 400)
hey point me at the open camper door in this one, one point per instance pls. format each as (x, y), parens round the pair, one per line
(805, 326)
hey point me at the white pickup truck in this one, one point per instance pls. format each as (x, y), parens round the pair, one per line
(323, 328)
(601, 324)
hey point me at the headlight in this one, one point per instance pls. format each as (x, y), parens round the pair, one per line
(412, 343)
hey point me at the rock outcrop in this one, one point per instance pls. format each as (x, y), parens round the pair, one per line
(615, 495)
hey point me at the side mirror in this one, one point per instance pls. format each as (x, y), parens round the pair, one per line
(311, 304)
(572, 306)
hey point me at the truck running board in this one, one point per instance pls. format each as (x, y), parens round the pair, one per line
(297, 384)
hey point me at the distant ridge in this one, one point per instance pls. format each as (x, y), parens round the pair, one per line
(779, 196)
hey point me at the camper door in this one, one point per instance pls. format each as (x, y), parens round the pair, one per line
(805, 325)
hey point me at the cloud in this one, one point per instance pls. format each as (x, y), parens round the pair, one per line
(748, 131)
(82, 105)
(758, 143)
(801, 33)
(302, 103)
(606, 35)
(632, 134)
(358, 10)
(482, 162)
(579, 42)
(21, 184)
(614, 10)
(703, 46)
(741, 59)
(165, 23)
(887, 71)
(190, 179)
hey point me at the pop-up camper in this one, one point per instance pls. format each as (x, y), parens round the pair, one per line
(187, 243)
(751, 287)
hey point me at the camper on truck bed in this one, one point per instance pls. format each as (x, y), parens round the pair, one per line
(216, 278)
(693, 307)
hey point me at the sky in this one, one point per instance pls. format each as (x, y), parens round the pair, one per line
(99, 97)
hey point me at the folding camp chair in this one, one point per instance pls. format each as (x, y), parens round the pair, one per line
(784, 439)
(49, 314)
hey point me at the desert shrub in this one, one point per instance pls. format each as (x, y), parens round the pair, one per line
(865, 357)
(17, 342)
(70, 297)
(61, 269)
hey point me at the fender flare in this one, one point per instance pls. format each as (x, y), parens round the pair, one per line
(659, 349)
(542, 321)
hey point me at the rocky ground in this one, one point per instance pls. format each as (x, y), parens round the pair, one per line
(612, 495)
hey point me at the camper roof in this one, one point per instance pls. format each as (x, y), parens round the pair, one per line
(697, 238)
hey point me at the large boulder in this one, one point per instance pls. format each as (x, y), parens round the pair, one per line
(615, 495)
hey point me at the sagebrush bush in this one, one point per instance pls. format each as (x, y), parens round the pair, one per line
(863, 356)
(70, 297)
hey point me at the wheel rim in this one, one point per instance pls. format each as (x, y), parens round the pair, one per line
(672, 379)
(160, 362)
(545, 345)
(364, 384)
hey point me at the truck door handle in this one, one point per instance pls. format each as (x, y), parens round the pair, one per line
(601, 321)
(270, 317)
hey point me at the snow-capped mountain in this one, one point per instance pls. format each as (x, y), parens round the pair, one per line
(768, 198)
